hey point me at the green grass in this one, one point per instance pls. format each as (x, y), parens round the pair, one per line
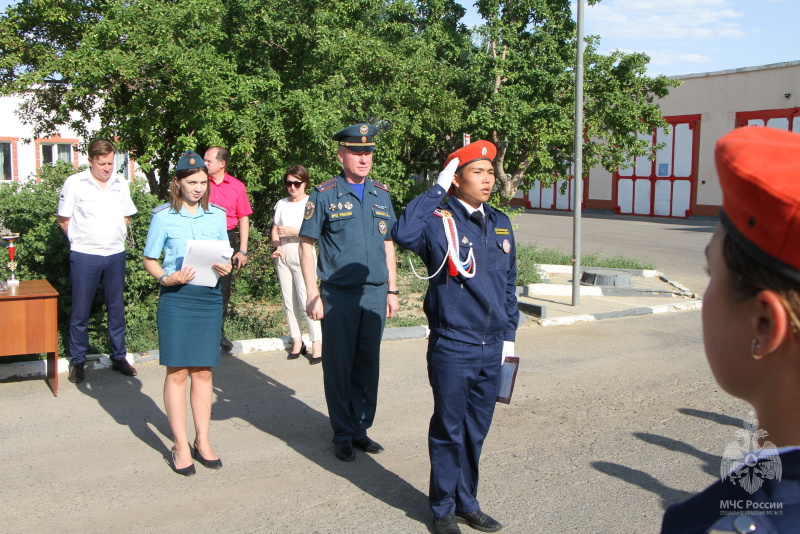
(267, 320)
(529, 256)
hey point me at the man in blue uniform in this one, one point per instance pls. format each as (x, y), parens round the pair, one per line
(471, 306)
(350, 217)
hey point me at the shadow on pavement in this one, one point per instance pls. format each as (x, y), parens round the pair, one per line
(711, 462)
(715, 417)
(643, 480)
(244, 392)
(122, 399)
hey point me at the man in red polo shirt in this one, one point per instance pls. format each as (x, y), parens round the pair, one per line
(230, 194)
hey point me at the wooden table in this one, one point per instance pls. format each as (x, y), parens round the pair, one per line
(29, 322)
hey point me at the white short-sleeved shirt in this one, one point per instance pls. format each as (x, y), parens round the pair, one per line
(290, 213)
(96, 217)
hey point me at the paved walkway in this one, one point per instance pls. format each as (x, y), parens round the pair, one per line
(611, 421)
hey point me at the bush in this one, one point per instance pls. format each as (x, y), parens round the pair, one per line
(43, 253)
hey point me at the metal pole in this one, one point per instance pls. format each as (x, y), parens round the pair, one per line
(577, 188)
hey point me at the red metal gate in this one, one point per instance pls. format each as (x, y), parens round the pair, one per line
(663, 187)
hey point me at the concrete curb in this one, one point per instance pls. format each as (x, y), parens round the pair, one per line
(246, 346)
(645, 310)
(567, 269)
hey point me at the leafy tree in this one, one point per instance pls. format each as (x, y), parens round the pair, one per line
(268, 79)
(273, 80)
(520, 89)
(43, 253)
(149, 71)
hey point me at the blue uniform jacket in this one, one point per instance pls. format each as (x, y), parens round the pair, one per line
(481, 309)
(350, 232)
(774, 508)
(170, 230)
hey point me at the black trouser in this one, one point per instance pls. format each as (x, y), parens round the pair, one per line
(225, 281)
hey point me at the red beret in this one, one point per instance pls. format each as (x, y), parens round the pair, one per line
(759, 172)
(472, 152)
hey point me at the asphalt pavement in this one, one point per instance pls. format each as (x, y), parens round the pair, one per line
(611, 421)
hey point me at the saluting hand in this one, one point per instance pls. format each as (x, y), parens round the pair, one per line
(446, 176)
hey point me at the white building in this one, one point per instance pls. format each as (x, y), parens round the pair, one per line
(21, 155)
(682, 180)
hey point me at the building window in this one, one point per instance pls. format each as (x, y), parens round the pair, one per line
(6, 167)
(51, 153)
(121, 163)
(783, 119)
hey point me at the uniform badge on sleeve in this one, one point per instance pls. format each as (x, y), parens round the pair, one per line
(506, 246)
(382, 227)
(310, 207)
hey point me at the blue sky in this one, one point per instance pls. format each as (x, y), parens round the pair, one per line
(688, 36)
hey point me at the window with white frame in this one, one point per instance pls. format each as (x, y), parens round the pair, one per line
(53, 152)
(5, 162)
(121, 163)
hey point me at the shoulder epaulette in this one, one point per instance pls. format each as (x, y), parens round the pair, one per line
(442, 212)
(380, 185)
(324, 186)
(216, 206)
(162, 207)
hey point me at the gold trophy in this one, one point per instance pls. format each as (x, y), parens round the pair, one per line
(12, 265)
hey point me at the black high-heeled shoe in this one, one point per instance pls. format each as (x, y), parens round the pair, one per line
(210, 464)
(313, 360)
(185, 471)
(295, 355)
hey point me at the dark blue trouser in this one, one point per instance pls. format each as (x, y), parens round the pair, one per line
(465, 379)
(225, 281)
(351, 333)
(86, 271)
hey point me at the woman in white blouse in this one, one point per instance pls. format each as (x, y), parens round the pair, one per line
(285, 229)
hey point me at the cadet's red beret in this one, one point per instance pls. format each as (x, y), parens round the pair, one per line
(472, 152)
(759, 172)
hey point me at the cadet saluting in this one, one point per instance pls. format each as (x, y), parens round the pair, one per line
(350, 216)
(471, 305)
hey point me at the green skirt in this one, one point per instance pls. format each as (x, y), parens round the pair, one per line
(189, 325)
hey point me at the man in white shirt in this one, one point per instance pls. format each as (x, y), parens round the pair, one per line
(94, 210)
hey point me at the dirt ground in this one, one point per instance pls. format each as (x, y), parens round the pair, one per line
(610, 422)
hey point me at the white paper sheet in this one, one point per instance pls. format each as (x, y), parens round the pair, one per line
(202, 255)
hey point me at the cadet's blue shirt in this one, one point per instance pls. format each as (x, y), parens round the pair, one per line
(170, 230)
(478, 310)
(350, 232)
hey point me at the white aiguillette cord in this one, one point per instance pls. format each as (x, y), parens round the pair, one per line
(465, 268)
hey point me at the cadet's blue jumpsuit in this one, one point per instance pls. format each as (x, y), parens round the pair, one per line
(469, 320)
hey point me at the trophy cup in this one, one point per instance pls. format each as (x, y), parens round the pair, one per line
(12, 265)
